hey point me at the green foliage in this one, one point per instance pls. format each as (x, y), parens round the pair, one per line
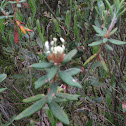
(45, 79)
(67, 78)
(41, 65)
(58, 112)
(33, 98)
(69, 56)
(2, 77)
(89, 58)
(57, 27)
(32, 109)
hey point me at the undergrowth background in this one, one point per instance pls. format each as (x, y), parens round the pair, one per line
(103, 83)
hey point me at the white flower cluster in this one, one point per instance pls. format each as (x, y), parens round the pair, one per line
(55, 49)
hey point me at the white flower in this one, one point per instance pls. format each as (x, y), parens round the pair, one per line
(52, 48)
(55, 39)
(48, 52)
(57, 49)
(52, 43)
(63, 47)
(62, 40)
(47, 45)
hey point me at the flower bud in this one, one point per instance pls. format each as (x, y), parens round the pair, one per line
(52, 43)
(55, 39)
(62, 40)
(47, 45)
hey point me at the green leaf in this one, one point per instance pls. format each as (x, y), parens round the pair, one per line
(103, 63)
(109, 47)
(39, 42)
(33, 98)
(2, 17)
(73, 71)
(96, 43)
(2, 77)
(57, 26)
(121, 3)
(113, 31)
(95, 49)
(59, 100)
(18, 5)
(32, 4)
(117, 42)
(52, 72)
(69, 79)
(41, 33)
(32, 109)
(2, 89)
(58, 112)
(41, 81)
(98, 30)
(90, 59)
(68, 19)
(70, 55)
(68, 96)
(45, 79)
(53, 89)
(76, 30)
(41, 65)
(121, 13)
(110, 7)
(105, 40)
(108, 99)
(101, 6)
(51, 118)
(21, 1)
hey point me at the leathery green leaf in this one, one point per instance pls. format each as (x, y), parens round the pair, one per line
(2, 77)
(70, 55)
(41, 65)
(98, 30)
(67, 96)
(109, 47)
(2, 89)
(53, 89)
(45, 79)
(32, 109)
(73, 71)
(117, 42)
(96, 43)
(90, 59)
(41, 81)
(103, 63)
(33, 98)
(52, 72)
(69, 79)
(58, 112)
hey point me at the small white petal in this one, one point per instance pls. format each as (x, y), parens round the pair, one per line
(55, 39)
(52, 43)
(52, 49)
(48, 52)
(63, 47)
(46, 43)
(62, 40)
